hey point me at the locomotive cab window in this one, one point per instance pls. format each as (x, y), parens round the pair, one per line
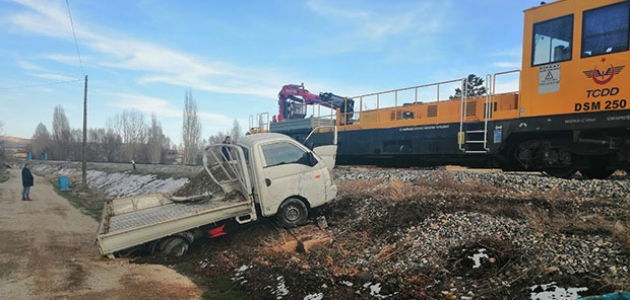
(605, 29)
(553, 40)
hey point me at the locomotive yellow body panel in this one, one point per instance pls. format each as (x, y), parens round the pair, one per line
(575, 55)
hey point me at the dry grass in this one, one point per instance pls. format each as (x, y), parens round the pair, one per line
(441, 183)
(379, 189)
(621, 233)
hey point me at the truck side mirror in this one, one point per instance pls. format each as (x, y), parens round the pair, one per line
(312, 159)
(308, 159)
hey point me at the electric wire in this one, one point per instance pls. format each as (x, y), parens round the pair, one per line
(76, 45)
(75, 38)
(37, 85)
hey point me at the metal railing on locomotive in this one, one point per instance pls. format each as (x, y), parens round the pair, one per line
(360, 101)
(259, 123)
(462, 135)
(487, 113)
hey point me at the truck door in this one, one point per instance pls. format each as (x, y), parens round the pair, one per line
(290, 170)
(323, 141)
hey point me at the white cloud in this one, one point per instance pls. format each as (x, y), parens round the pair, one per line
(55, 77)
(60, 58)
(46, 17)
(159, 64)
(507, 64)
(161, 107)
(145, 104)
(507, 86)
(26, 65)
(327, 9)
(514, 52)
(364, 27)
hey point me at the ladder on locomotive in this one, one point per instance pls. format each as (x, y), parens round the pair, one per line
(473, 135)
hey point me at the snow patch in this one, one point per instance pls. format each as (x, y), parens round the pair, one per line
(119, 184)
(318, 296)
(552, 292)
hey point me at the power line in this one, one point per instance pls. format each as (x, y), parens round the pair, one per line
(75, 37)
(36, 85)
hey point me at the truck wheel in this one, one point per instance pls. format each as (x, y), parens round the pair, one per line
(175, 246)
(292, 213)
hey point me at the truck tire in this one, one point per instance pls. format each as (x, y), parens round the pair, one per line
(175, 246)
(292, 213)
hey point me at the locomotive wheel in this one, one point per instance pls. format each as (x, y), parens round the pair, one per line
(597, 173)
(561, 172)
(292, 213)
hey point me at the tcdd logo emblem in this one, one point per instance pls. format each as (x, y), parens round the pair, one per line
(603, 76)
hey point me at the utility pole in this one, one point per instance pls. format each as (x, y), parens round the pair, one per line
(83, 150)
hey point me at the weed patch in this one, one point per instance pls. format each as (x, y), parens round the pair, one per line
(4, 175)
(89, 202)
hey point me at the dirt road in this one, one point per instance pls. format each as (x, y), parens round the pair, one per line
(47, 252)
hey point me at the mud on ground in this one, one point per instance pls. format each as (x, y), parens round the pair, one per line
(433, 235)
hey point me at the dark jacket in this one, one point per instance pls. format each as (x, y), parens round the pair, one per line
(27, 177)
(226, 152)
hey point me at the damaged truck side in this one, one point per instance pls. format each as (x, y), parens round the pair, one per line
(262, 175)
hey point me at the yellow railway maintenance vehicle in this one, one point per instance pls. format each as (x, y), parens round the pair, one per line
(571, 112)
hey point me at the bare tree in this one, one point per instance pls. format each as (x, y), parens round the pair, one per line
(155, 144)
(166, 147)
(114, 124)
(236, 131)
(76, 141)
(95, 144)
(131, 128)
(218, 138)
(112, 146)
(40, 141)
(61, 134)
(191, 129)
(134, 131)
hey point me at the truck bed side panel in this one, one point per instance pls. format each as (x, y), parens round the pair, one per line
(138, 227)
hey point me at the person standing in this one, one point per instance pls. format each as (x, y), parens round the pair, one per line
(226, 150)
(27, 182)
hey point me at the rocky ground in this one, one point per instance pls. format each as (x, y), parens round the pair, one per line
(410, 234)
(433, 234)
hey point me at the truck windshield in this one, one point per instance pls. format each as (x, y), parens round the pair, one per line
(246, 154)
(282, 153)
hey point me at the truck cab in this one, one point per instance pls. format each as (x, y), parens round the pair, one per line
(287, 179)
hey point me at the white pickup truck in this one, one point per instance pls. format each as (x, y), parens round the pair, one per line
(263, 174)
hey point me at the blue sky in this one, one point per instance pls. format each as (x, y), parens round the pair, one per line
(235, 55)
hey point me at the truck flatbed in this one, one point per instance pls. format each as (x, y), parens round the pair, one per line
(137, 220)
(170, 211)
